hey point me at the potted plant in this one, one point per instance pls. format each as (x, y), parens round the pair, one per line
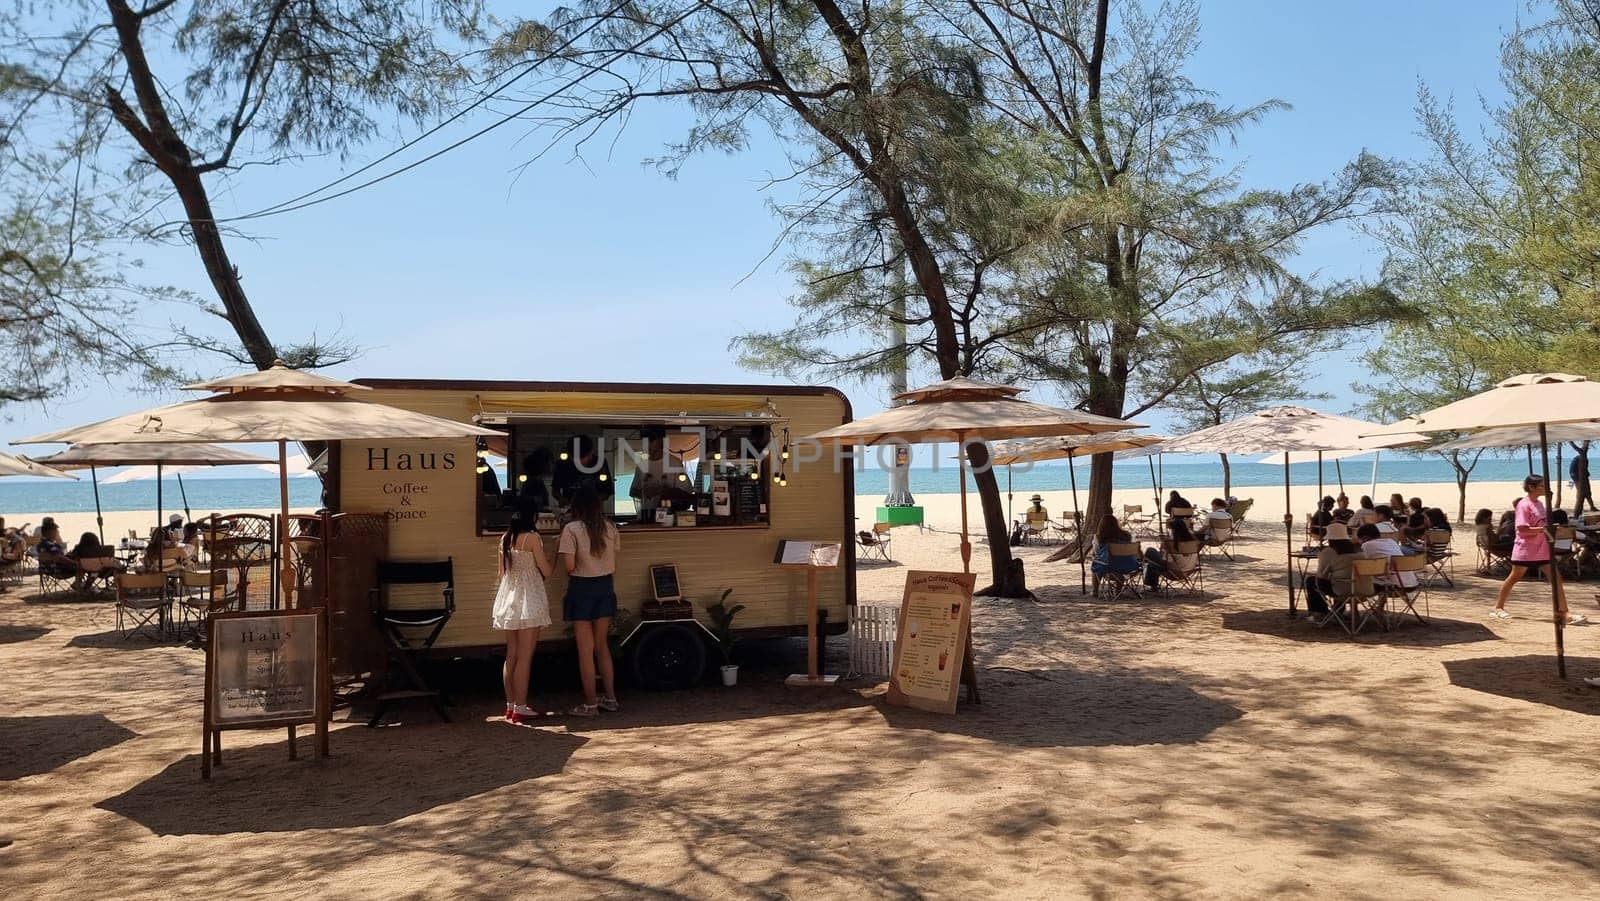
(721, 616)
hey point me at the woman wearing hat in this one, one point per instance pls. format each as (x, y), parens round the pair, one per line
(1037, 513)
(1335, 570)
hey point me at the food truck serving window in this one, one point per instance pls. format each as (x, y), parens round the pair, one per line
(647, 475)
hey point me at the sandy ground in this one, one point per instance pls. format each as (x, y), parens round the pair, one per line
(1167, 747)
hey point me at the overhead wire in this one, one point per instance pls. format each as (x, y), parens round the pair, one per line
(295, 203)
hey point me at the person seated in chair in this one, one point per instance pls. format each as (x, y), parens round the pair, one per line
(1437, 520)
(1334, 575)
(1036, 513)
(1383, 518)
(1156, 561)
(1111, 532)
(1219, 514)
(13, 544)
(1341, 508)
(1377, 546)
(52, 554)
(1176, 501)
(1323, 516)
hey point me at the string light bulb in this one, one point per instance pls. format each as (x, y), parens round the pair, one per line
(755, 476)
(604, 477)
(565, 456)
(483, 466)
(683, 477)
(522, 478)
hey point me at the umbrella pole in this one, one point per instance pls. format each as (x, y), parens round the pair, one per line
(161, 521)
(1376, 456)
(969, 665)
(1008, 492)
(1077, 520)
(286, 566)
(1319, 480)
(99, 517)
(1339, 470)
(1555, 571)
(185, 495)
(1154, 485)
(1288, 535)
(1530, 458)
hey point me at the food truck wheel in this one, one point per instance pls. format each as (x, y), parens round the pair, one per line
(667, 657)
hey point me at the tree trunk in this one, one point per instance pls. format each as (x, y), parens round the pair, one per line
(1461, 490)
(1009, 580)
(1227, 477)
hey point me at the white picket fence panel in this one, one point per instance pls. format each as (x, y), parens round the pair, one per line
(873, 629)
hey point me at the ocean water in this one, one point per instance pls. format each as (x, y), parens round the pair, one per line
(207, 495)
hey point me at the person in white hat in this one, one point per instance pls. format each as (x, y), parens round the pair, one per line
(1334, 576)
(175, 530)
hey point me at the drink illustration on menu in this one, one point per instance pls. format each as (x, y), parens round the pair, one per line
(933, 624)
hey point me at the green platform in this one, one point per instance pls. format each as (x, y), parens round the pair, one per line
(900, 516)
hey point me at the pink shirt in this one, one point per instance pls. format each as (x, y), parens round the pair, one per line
(1530, 548)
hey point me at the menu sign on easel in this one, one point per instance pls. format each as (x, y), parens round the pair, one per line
(935, 615)
(265, 669)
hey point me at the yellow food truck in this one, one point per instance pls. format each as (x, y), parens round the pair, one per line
(703, 481)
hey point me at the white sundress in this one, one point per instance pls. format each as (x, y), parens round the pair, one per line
(521, 601)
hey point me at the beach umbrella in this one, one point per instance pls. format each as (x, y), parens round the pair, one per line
(1284, 431)
(148, 459)
(15, 465)
(1535, 401)
(962, 411)
(965, 410)
(276, 405)
(1518, 436)
(1024, 450)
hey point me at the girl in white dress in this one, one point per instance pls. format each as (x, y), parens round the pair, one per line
(521, 609)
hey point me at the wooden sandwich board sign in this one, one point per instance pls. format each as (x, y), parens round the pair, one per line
(810, 556)
(930, 649)
(266, 669)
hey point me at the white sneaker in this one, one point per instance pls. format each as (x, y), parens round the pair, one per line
(1593, 681)
(1578, 619)
(1497, 613)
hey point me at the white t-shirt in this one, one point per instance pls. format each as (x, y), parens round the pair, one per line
(1382, 548)
(574, 540)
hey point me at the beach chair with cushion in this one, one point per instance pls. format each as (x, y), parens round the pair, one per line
(1491, 553)
(411, 628)
(1238, 510)
(1219, 537)
(142, 604)
(1183, 571)
(1440, 556)
(1121, 573)
(876, 542)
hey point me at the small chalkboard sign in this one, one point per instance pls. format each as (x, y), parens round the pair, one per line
(664, 582)
(265, 669)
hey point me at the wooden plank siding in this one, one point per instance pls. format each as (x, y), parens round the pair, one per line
(432, 503)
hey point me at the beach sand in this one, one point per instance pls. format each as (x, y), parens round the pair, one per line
(1205, 747)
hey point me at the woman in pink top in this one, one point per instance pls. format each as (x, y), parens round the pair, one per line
(1530, 550)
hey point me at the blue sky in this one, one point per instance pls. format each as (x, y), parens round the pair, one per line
(606, 270)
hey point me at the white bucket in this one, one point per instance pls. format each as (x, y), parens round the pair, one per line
(730, 675)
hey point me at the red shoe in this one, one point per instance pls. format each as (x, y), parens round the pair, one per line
(513, 717)
(510, 712)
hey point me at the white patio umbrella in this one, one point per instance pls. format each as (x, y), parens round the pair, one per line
(1536, 401)
(15, 465)
(1025, 450)
(1522, 436)
(1284, 431)
(275, 405)
(158, 459)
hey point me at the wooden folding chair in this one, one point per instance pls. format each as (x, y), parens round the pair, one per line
(410, 631)
(1564, 552)
(142, 601)
(1406, 596)
(1126, 563)
(1133, 516)
(1490, 554)
(1219, 537)
(1367, 596)
(204, 592)
(1183, 570)
(1441, 559)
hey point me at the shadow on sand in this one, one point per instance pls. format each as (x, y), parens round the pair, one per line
(1531, 678)
(1436, 632)
(1065, 708)
(375, 777)
(30, 745)
(19, 634)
